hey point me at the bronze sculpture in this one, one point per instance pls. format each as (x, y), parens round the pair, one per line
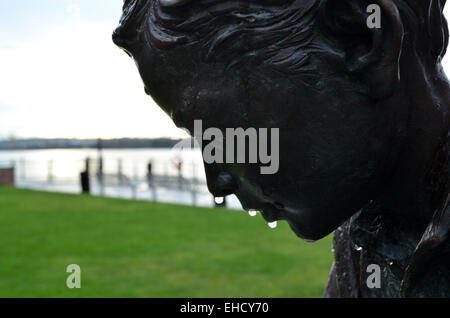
(363, 116)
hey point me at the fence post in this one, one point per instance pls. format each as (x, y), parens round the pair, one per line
(135, 170)
(100, 175)
(150, 180)
(134, 190)
(23, 170)
(50, 171)
(84, 179)
(100, 165)
(120, 171)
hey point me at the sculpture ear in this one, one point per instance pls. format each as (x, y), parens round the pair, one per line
(371, 34)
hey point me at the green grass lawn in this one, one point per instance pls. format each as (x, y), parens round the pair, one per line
(143, 249)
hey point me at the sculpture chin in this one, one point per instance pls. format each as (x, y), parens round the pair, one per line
(301, 222)
(310, 236)
(312, 226)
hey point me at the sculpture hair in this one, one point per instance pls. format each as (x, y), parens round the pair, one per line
(276, 31)
(426, 28)
(238, 31)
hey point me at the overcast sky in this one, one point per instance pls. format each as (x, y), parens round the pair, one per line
(61, 76)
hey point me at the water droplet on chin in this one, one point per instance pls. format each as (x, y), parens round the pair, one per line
(219, 200)
(273, 225)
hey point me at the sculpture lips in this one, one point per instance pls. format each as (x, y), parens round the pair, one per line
(269, 212)
(270, 215)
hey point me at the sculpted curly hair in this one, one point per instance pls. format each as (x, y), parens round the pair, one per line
(281, 33)
(426, 29)
(261, 25)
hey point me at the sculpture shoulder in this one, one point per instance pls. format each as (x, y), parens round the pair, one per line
(407, 267)
(428, 274)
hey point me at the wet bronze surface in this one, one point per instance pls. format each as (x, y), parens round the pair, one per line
(363, 117)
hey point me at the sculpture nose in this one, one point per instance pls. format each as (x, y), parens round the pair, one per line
(119, 39)
(124, 35)
(220, 183)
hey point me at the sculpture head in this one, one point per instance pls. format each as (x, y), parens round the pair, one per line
(336, 89)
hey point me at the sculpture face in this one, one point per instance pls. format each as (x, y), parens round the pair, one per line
(241, 67)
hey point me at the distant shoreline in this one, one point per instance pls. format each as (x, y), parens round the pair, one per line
(81, 148)
(122, 143)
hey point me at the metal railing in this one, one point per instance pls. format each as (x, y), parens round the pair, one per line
(133, 179)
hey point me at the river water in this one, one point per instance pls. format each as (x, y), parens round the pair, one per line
(58, 170)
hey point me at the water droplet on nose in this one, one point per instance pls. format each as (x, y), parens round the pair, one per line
(219, 200)
(358, 248)
(252, 212)
(273, 225)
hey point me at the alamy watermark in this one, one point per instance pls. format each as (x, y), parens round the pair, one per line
(238, 145)
(74, 279)
(374, 279)
(374, 19)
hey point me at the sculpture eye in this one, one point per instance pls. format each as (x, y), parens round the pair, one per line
(173, 3)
